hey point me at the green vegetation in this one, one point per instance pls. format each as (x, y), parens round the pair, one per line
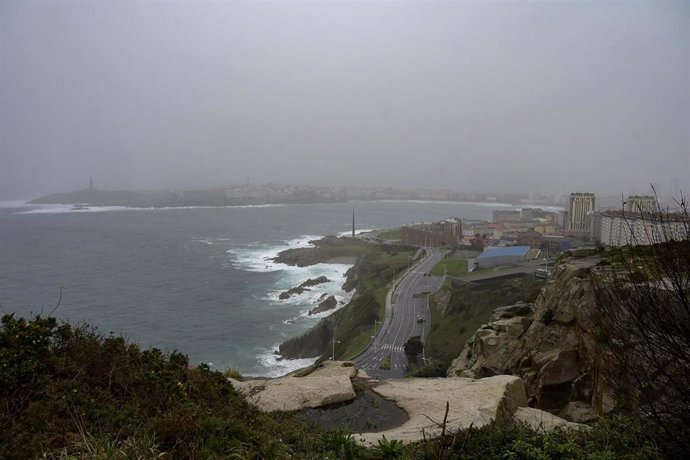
(386, 364)
(430, 369)
(468, 307)
(326, 249)
(69, 392)
(450, 267)
(394, 235)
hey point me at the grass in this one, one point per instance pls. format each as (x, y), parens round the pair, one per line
(468, 308)
(386, 364)
(450, 267)
(394, 234)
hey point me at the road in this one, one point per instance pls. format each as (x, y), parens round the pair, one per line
(403, 310)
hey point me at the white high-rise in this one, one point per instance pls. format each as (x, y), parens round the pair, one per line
(580, 205)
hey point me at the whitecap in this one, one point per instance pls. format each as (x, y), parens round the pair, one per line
(277, 367)
(256, 256)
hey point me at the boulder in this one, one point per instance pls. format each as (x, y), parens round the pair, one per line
(579, 412)
(328, 384)
(542, 421)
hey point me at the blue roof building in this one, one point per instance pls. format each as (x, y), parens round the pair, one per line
(497, 256)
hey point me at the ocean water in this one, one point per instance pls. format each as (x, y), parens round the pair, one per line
(197, 280)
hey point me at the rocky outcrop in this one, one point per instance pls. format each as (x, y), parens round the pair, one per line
(550, 344)
(303, 287)
(311, 344)
(328, 384)
(328, 304)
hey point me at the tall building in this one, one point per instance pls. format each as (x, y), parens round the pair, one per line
(619, 229)
(636, 204)
(580, 205)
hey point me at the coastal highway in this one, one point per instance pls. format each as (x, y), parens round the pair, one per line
(406, 307)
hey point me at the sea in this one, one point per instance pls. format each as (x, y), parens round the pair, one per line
(199, 280)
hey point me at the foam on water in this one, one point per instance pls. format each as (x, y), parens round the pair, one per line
(256, 256)
(274, 366)
(357, 232)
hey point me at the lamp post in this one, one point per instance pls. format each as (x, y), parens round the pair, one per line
(375, 323)
(333, 354)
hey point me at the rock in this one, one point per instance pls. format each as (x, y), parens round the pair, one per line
(542, 421)
(328, 384)
(552, 344)
(476, 402)
(311, 344)
(329, 304)
(556, 367)
(579, 412)
(303, 287)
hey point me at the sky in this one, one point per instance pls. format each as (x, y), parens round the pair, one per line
(528, 96)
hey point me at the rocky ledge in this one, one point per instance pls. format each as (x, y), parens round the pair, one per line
(470, 402)
(328, 384)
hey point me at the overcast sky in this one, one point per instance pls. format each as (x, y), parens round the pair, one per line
(525, 96)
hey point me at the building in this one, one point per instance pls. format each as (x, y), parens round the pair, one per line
(506, 216)
(580, 205)
(640, 203)
(531, 239)
(494, 257)
(618, 228)
(444, 233)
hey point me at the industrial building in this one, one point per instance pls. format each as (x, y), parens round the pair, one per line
(494, 257)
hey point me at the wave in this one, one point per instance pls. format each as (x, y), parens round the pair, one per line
(357, 232)
(256, 256)
(276, 366)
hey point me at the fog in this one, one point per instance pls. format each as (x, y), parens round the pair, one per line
(471, 96)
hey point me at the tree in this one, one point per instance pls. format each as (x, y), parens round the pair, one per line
(643, 298)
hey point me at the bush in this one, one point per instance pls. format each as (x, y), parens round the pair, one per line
(64, 390)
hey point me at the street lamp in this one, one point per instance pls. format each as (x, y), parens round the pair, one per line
(375, 323)
(334, 342)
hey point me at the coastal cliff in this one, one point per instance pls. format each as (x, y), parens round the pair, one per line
(551, 344)
(352, 324)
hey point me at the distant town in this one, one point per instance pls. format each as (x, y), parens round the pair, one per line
(516, 236)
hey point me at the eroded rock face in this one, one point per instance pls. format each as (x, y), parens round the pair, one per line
(311, 344)
(550, 344)
(328, 384)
